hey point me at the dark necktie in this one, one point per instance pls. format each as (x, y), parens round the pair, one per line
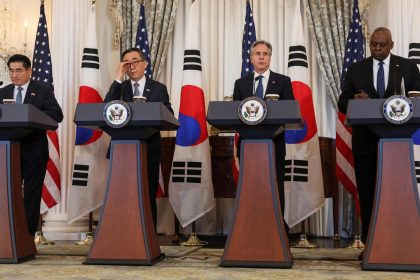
(380, 81)
(260, 91)
(136, 89)
(19, 95)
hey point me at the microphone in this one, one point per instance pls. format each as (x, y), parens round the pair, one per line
(1, 82)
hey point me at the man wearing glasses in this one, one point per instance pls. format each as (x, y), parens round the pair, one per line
(260, 83)
(133, 64)
(34, 147)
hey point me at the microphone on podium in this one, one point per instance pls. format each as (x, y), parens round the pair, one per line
(1, 82)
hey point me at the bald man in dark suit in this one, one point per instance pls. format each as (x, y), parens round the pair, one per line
(361, 82)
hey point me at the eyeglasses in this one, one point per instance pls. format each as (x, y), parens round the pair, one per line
(133, 63)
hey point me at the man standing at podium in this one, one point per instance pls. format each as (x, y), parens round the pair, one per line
(34, 147)
(378, 76)
(133, 64)
(260, 83)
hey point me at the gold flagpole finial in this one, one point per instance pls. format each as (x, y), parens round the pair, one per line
(93, 2)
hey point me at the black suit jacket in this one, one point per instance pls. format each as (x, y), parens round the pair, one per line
(277, 84)
(154, 92)
(360, 77)
(34, 147)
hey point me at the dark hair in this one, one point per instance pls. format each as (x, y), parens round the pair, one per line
(137, 50)
(20, 58)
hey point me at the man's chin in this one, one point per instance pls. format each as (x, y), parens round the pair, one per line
(379, 57)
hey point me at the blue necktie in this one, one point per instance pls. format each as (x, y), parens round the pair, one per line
(19, 95)
(380, 81)
(260, 91)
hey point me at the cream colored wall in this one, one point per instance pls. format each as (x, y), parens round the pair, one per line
(21, 12)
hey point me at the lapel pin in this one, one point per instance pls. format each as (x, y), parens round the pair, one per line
(33, 94)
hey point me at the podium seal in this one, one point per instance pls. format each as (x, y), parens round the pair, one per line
(252, 110)
(397, 109)
(116, 114)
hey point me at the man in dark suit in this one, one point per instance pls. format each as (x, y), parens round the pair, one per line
(133, 64)
(34, 147)
(365, 80)
(260, 83)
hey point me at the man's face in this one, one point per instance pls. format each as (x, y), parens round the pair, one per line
(380, 45)
(19, 75)
(261, 58)
(135, 65)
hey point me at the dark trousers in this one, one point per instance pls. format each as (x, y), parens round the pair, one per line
(153, 176)
(33, 179)
(365, 152)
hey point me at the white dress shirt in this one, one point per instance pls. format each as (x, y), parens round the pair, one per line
(25, 89)
(266, 76)
(386, 70)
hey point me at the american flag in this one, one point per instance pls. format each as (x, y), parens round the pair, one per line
(42, 72)
(354, 51)
(142, 42)
(249, 37)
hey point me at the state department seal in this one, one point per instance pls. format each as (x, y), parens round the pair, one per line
(117, 113)
(398, 109)
(252, 110)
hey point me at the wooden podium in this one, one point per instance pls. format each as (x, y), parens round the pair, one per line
(257, 237)
(125, 234)
(16, 122)
(393, 241)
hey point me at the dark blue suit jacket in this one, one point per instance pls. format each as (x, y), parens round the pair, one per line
(34, 147)
(277, 84)
(154, 92)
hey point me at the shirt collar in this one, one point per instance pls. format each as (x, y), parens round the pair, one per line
(25, 86)
(140, 82)
(266, 74)
(386, 61)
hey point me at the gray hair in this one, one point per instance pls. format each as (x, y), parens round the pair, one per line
(261, 42)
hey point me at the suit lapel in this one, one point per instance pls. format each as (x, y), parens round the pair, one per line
(30, 93)
(272, 85)
(8, 93)
(249, 85)
(393, 77)
(369, 78)
(148, 89)
(127, 91)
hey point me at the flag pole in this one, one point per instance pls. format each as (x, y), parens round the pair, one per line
(303, 240)
(193, 240)
(39, 238)
(88, 240)
(357, 243)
